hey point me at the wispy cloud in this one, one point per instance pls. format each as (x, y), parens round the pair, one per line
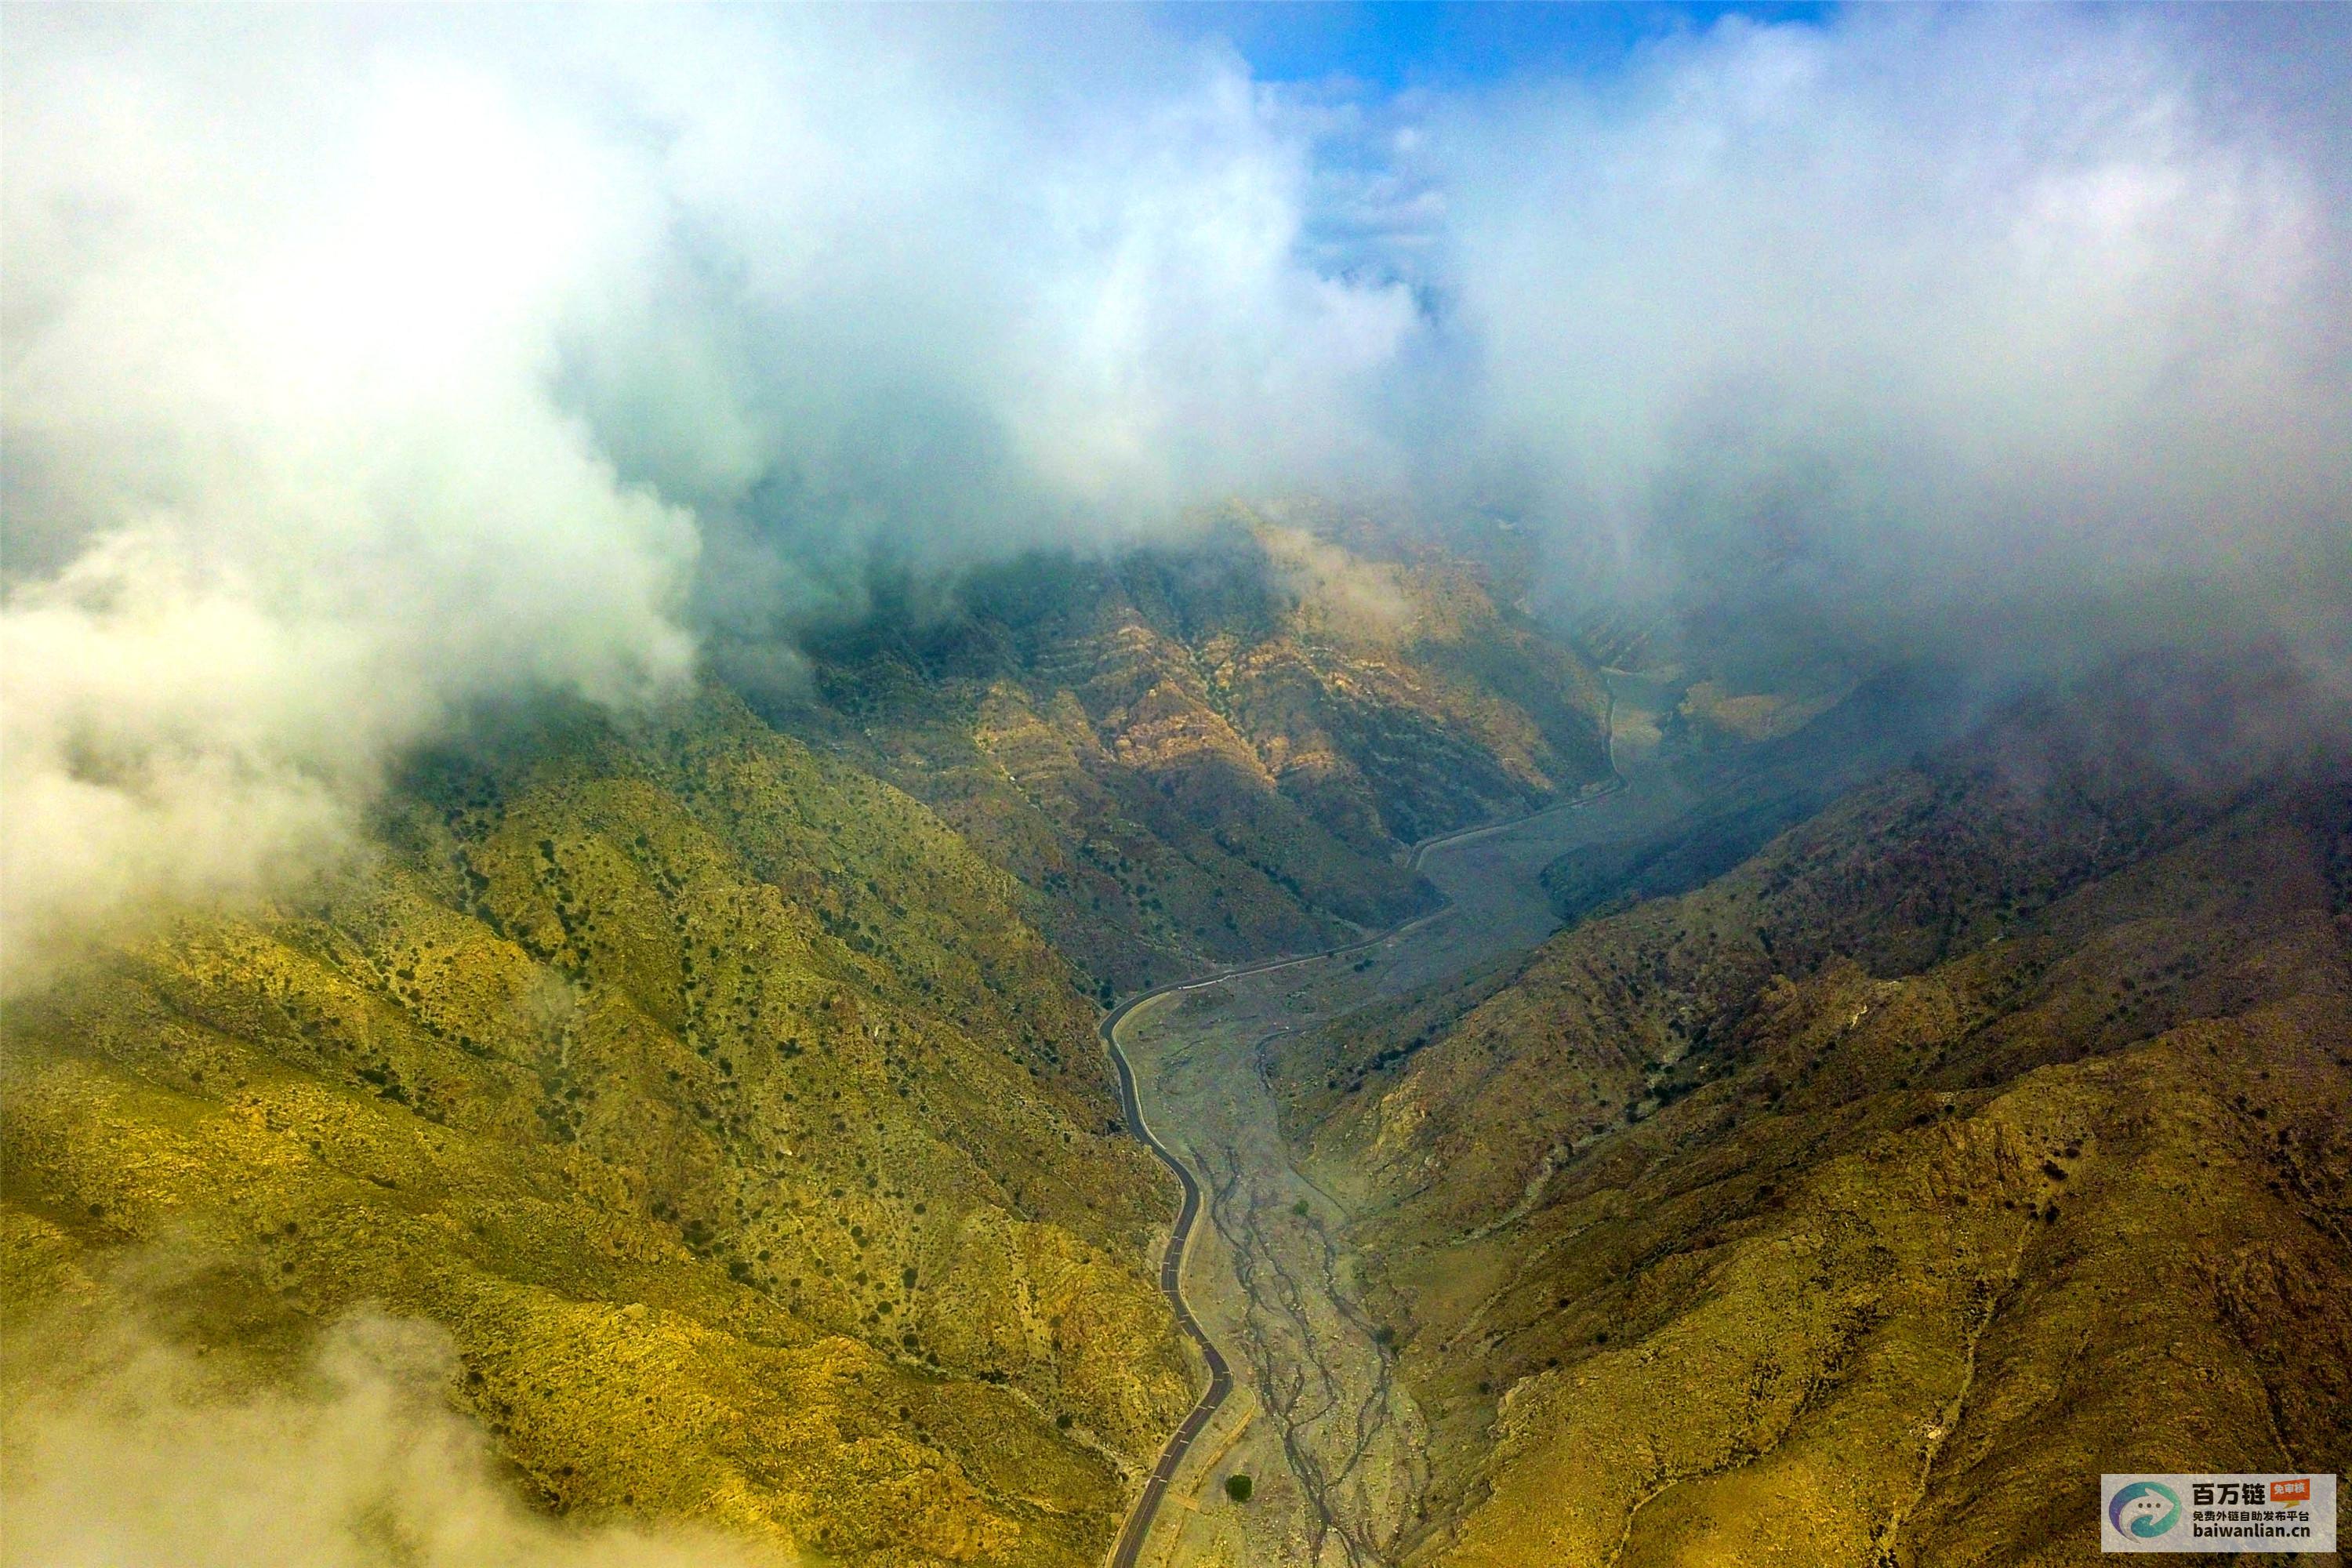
(158, 1455)
(363, 365)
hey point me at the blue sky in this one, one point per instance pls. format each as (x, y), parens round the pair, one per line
(1449, 45)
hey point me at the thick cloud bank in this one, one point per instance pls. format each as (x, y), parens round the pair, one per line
(1928, 312)
(286, 484)
(360, 366)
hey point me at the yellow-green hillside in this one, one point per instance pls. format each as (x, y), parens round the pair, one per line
(1984, 1132)
(756, 1152)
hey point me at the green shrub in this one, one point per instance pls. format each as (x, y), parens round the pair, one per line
(1237, 1487)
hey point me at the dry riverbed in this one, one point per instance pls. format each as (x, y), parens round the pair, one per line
(1333, 1445)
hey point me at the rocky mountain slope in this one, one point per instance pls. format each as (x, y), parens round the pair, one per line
(1742, 795)
(754, 1152)
(721, 1087)
(1212, 752)
(1986, 1131)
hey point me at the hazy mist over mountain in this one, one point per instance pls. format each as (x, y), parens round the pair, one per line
(1684, 672)
(365, 364)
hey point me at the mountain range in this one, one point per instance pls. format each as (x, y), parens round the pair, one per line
(1912, 1127)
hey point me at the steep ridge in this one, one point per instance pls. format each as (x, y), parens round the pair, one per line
(1195, 756)
(716, 1100)
(1982, 1132)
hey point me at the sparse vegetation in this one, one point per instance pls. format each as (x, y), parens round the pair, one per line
(1833, 1151)
(596, 1034)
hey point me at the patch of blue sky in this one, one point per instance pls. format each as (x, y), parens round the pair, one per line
(1360, 79)
(1447, 44)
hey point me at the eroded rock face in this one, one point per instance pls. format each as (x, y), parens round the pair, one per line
(1986, 1131)
(1211, 754)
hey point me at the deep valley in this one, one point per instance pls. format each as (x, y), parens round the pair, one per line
(1758, 1134)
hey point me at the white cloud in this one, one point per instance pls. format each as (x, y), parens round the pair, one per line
(947, 287)
(363, 365)
(161, 1457)
(1947, 305)
(280, 318)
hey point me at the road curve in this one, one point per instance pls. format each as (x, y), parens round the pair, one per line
(1171, 1285)
(1131, 1536)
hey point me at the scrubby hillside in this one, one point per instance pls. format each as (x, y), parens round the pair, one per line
(725, 1104)
(1983, 1132)
(1214, 753)
(717, 1100)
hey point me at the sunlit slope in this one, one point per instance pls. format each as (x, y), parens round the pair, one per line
(1984, 1132)
(756, 1152)
(1215, 752)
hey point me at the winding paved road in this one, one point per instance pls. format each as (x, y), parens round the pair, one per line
(1137, 1528)
(1171, 1285)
